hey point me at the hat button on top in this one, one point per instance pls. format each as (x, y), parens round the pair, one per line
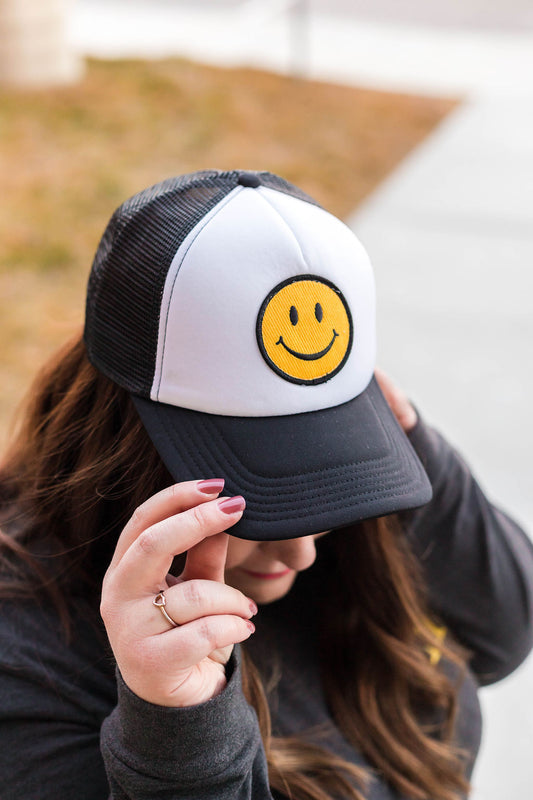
(249, 179)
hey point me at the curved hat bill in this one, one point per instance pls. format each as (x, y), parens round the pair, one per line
(299, 473)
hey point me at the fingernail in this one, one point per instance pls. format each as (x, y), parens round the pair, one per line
(252, 606)
(230, 505)
(251, 626)
(211, 486)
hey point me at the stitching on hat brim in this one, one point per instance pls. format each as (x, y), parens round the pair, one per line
(290, 491)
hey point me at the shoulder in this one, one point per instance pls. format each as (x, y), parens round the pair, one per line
(54, 697)
(477, 561)
(40, 664)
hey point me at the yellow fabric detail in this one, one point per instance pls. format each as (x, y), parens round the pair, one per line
(299, 342)
(439, 631)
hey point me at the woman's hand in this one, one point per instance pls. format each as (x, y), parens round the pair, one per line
(397, 400)
(183, 665)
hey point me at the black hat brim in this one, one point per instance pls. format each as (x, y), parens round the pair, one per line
(301, 473)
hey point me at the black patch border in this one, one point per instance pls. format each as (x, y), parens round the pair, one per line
(259, 337)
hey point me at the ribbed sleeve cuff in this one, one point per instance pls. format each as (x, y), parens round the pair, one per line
(196, 743)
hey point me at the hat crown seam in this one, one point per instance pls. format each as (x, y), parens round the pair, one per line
(282, 218)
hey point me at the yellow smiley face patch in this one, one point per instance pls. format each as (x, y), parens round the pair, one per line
(304, 329)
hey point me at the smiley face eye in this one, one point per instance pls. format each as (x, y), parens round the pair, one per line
(293, 314)
(318, 312)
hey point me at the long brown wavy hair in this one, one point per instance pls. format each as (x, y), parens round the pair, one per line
(81, 463)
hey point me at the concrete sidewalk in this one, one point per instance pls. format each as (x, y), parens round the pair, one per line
(451, 241)
(449, 233)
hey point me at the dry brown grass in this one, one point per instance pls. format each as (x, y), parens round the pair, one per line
(68, 157)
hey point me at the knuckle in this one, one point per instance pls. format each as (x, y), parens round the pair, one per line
(175, 490)
(138, 517)
(108, 584)
(104, 610)
(108, 612)
(208, 633)
(199, 517)
(192, 593)
(147, 542)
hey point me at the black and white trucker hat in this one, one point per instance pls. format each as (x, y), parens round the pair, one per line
(240, 316)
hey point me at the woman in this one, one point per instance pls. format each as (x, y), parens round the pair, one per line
(225, 382)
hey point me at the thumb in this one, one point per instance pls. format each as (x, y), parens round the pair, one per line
(207, 559)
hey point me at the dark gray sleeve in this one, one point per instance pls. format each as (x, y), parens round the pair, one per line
(212, 751)
(59, 709)
(477, 561)
(53, 698)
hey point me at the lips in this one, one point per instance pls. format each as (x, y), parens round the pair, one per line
(309, 356)
(267, 575)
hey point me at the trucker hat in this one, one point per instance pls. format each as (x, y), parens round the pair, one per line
(240, 315)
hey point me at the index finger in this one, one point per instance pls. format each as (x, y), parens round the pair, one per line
(144, 566)
(172, 500)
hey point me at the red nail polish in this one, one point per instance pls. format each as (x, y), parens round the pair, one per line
(230, 505)
(211, 486)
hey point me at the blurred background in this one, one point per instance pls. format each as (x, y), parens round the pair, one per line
(412, 121)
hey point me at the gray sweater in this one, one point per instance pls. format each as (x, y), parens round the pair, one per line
(71, 729)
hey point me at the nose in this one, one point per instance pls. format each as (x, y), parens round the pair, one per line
(297, 554)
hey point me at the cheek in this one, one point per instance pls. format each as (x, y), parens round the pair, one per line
(239, 550)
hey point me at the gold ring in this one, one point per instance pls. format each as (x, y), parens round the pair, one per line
(160, 601)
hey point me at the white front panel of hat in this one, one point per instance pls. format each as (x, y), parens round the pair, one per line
(208, 355)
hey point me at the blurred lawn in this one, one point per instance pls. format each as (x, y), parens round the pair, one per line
(69, 156)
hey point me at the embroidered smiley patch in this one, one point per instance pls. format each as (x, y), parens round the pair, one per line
(304, 329)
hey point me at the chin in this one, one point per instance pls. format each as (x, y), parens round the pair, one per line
(263, 598)
(261, 591)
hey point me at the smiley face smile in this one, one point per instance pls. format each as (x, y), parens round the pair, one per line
(299, 314)
(309, 356)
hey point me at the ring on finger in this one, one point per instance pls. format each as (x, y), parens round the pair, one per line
(160, 602)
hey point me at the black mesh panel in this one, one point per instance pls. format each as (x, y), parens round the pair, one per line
(130, 267)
